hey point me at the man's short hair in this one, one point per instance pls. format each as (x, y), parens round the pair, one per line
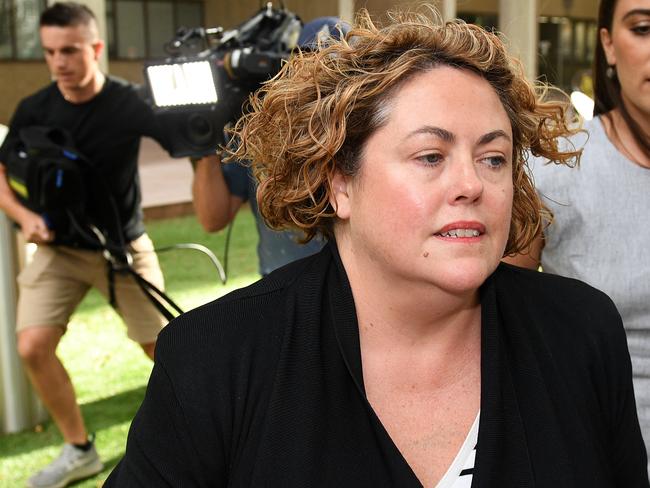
(67, 14)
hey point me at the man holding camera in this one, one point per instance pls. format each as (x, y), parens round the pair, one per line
(219, 190)
(106, 119)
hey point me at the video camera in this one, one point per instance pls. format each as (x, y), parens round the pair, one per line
(210, 73)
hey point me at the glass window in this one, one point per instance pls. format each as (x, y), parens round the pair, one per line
(139, 29)
(129, 19)
(5, 29)
(111, 45)
(19, 29)
(135, 29)
(161, 27)
(189, 15)
(566, 38)
(592, 34)
(28, 43)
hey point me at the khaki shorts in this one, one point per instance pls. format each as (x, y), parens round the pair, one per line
(53, 284)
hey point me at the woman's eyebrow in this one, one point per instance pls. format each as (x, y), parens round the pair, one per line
(439, 132)
(637, 11)
(490, 136)
(448, 136)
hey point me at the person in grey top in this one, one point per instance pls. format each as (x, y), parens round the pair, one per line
(601, 226)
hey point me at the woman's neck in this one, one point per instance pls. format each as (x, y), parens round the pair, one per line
(400, 313)
(621, 136)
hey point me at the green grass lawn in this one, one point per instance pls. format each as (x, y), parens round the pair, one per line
(110, 372)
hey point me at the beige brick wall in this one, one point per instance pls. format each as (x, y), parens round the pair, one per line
(17, 81)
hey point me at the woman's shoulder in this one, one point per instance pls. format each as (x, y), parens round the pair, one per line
(562, 307)
(245, 320)
(575, 326)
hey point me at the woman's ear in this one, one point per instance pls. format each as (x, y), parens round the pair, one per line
(339, 196)
(606, 41)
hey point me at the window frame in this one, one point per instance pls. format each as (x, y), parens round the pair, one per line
(13, 34)
(114, 25)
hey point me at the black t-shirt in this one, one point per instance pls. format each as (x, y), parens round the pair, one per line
(107, 131)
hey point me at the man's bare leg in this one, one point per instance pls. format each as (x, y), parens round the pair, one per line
(37, 348)
(149, 349)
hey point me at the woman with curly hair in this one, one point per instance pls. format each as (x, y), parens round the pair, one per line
(403, 354)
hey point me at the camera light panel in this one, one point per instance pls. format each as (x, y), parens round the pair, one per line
(180, 84)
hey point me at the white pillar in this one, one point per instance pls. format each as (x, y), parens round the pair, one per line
(518, 21)
(19, 407)
(448, 9)
(346, 10)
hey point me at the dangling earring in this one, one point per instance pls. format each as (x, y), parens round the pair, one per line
(610, 72)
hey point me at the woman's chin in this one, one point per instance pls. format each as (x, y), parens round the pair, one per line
(461, 278)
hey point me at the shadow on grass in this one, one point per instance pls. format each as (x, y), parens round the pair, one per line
(99, 415)
(113, 410)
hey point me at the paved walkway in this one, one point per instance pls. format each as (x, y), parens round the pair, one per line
(166, 182)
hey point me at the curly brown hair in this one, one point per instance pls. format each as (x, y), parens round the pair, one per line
(315, 116)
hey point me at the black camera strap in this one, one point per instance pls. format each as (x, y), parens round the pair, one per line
(120, 260)
(157, 297)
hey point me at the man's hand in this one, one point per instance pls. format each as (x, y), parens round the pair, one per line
(32, 225)
(34, 228)
(214, 205)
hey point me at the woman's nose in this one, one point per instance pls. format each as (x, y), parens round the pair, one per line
(465, 183)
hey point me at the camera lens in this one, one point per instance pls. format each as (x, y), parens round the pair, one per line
(199, 129)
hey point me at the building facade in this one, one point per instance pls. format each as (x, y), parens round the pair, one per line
(554, 38)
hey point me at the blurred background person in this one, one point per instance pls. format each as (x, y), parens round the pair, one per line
(601, 225)
(106, 119)
(219, 190)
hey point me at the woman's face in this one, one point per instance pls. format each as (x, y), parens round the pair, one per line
(627, 46)
(432, 199)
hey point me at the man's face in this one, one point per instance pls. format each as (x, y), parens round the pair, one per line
(71, 54)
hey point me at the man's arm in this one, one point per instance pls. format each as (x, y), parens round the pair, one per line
(531, 259)
(31, 224)
(214, 204)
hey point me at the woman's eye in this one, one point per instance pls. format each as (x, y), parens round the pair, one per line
(494, 161)
(641, 30)
(431, 159)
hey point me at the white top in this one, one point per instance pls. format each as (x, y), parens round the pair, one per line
(461, 471)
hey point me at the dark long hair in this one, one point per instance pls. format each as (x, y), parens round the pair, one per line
(607, 89)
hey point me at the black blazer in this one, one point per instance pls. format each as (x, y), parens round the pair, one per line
(264, 388)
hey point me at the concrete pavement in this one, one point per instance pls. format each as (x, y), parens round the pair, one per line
(166, 182)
